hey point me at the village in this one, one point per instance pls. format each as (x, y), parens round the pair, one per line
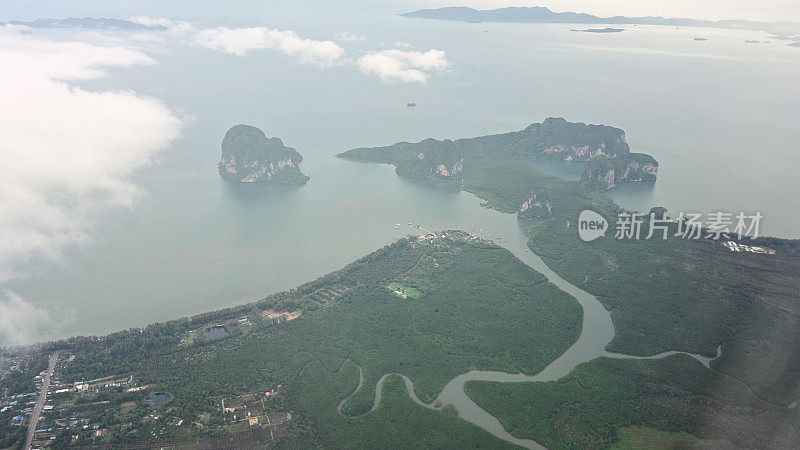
(54, 411)
(55, 406)
(58, 410)
(76, 413)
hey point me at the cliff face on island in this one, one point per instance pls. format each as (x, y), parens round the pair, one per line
(537, 206)
(248, 156)
(554, 139)
(604, 173)
(429, 159)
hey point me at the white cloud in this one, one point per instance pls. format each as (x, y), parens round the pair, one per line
(403, 66)
(22, 29)
(240, 41)
(149, 38)
(67, 153)
(173, 26)
(22, 322)
(348, 37)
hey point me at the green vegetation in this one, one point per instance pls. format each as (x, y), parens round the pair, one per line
(663, 295)
(194, 336)
(481, 306)
(506, 185)
(397, 423)
(249, 157)
(588, 407)
(603, 173)
(468, 319)
(673, 294)
(404, 291)
(641, 437)
(692, 296)
(450, 409)
(12, 435)
(554, 139)
(21, 381)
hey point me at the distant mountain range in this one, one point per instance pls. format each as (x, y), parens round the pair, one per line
(86, 22)
(539, 14)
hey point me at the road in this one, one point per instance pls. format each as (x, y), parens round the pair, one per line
(37, 410)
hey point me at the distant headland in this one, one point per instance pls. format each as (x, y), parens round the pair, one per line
(86, 22)
(539, 14)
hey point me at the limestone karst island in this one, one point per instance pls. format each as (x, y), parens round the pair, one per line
(248, 156)
(609, 161)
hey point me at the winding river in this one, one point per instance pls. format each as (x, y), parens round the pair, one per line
(596, 333)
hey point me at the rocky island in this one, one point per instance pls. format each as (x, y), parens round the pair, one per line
(608, 156)
(248, 156)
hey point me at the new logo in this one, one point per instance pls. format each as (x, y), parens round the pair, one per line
(591, 225)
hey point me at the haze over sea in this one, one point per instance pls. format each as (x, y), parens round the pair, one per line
(720, 116)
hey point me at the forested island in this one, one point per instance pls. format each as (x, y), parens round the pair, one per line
(249, 157)
(464, 161)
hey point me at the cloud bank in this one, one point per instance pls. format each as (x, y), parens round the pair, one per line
(67, 153)
(240, 41)
(403, 66)
(173, 26)
(395, 65)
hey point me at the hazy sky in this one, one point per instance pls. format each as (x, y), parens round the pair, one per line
(769, 10)
(766, 10)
